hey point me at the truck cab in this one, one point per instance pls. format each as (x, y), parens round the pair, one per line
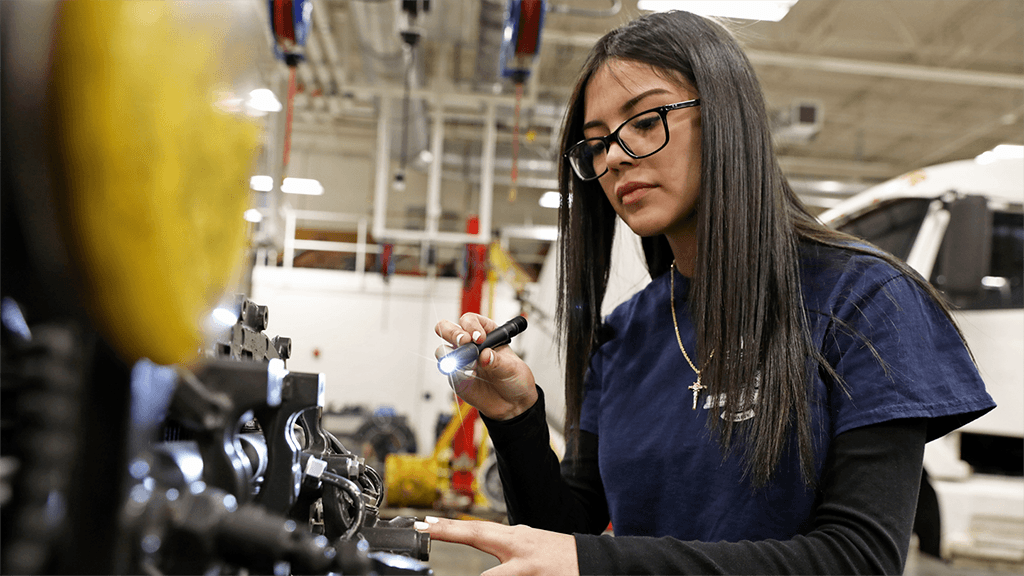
(961, 226)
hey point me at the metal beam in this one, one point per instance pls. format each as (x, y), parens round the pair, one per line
(888, 70)
(842, 65)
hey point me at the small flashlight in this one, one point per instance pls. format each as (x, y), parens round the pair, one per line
(468, 353)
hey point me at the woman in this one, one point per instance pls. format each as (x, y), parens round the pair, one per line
(762, 405)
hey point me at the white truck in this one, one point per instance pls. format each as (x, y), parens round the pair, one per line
(961, 225)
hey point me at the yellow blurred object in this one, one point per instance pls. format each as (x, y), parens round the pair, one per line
(420, 481)
(412, 480)
(479, 497)
(155, 176)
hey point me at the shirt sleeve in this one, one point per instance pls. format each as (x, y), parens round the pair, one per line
(861, 524)
(899, 356)
(540, 491)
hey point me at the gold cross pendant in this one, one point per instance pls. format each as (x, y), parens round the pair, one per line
(696, 387)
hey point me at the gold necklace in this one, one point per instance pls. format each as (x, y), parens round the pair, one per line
(696, 386)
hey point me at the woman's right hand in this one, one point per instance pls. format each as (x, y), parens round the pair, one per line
(499, 384)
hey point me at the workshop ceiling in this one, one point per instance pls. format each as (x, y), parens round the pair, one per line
(897, 84)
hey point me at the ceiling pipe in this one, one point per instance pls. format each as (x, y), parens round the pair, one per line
(380, 188)
(615, 8)
(434, 173)
(322, 29)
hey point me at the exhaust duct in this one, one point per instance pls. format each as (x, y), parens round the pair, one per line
(387, 59)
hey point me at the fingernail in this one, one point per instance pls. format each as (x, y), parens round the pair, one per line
(421, 526)
(458, 339)
(430, 520)
(476, 335)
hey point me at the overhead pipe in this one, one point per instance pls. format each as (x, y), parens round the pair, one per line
(380, 194)
(323, 30)
(615, 8)
(435, 172)
(487, 173)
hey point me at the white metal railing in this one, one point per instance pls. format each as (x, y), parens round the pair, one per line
(360, 247)
(291, 217)
(412, 243)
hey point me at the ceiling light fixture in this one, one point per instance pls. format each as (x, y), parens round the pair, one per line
(306, 186)
(264, 100)
(261, 183)
(550, 199)
(765, 10)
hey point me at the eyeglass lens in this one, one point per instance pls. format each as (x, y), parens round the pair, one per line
(641, 136)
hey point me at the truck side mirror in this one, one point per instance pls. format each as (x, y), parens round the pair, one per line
(966, 252)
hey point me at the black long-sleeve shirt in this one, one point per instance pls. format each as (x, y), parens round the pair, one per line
(861, 523)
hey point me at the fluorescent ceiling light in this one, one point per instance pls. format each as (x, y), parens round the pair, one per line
(306, 186)
(1000, 152)
(767, 10)
(261, 183)
(550, 199)
(830, 186)
(264, 100)
(253, 215)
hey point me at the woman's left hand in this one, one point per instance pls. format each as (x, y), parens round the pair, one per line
(522, 551)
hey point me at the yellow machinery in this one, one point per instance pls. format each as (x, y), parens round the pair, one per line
(504, 266)
(423, 482)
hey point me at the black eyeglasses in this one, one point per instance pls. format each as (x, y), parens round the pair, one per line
(640, 136)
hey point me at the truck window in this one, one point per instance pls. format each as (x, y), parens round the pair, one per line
(1003, 286)
(893, 226)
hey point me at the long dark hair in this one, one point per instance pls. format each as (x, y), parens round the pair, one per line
(745, 299)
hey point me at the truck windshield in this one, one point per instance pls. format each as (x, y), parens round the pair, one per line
(893, 226)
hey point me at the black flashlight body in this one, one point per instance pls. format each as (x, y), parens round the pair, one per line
(468, 353)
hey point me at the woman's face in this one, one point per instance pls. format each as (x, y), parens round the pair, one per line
(656, 194)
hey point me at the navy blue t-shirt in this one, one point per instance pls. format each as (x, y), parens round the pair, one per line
(663, 471)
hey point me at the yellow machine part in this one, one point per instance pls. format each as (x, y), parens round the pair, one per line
(505, 265)
(155, 176)
(418, 481)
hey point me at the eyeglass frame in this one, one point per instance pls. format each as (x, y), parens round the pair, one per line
(614, 136)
